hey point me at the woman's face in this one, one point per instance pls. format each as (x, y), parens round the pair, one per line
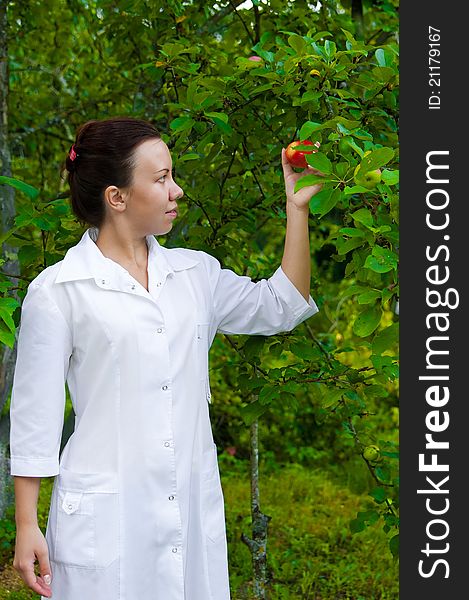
(153, 192)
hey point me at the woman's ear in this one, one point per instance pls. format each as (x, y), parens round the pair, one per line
(114, 198)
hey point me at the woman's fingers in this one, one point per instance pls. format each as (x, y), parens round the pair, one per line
(287, 168)
(31, 545)
(32, 581)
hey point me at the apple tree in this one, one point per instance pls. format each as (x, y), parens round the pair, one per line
(228, 87)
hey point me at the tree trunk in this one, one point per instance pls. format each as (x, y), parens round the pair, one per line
(357, 18)
(258, 543)
(7, 212)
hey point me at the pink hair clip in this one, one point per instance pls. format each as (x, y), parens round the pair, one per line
(72, 153)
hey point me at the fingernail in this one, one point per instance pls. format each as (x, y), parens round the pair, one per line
(47, 579)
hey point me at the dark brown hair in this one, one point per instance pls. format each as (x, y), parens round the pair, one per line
(105, 155)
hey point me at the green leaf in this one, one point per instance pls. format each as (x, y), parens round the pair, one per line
(361, 134)
(356, 525)
(368, 297)
(324, 201)
(344, 246)
(379, 362)
(254, 345)
(27, 189)
(6, 337)
(320, 34)
(390, 177)
(308, 127)
(307, 180)
(269, 393)
(225, 127)
(217, 115)
(369, 516)
(379, 494)
(251, 384)
(8, 303)
(352, 231)
(331, 397)
(376, 391)
(7, 307)
(349, 36)
(364, 216)
(297, 43)
(380, 57)
(319, 161)
(382, 74)
(7, 319)
(349, 124)
(263, 88)
(386, 294)
(349, 140)
(367, 321)
(374, 160)
(304, 350)
(21, 220)
(381, 260)
(190, 156)
(330, 48)
(181, 124)
(252, 411)
(394, 545)
(309, 96)
(354, 289)
(355, 189)
(383, 473)
(385, 339)
(46, 222)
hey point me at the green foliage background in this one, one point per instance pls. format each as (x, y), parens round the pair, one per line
(328, 389)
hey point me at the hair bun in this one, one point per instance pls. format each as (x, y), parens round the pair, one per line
(70, 165)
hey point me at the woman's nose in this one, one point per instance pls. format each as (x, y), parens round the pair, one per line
(178, 192)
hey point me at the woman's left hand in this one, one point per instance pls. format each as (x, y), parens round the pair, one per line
(301, 198)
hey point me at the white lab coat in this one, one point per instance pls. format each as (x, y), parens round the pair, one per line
(137, 508)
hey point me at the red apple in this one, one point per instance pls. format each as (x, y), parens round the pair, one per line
(297, 157)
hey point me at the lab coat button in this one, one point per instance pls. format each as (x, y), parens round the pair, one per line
(71, 501)
(159, 330)
(165, 387)
(166, 444)
(133, 286)
(175, 549)
(159, 283)
(103, 281)
(171, 497)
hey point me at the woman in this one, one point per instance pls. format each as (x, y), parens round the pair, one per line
(137, 508)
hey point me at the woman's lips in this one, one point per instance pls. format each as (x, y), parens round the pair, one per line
(172, 213)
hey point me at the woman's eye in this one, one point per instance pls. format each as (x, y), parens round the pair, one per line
(163, 177)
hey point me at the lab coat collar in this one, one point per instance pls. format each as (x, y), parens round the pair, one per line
(85, 259)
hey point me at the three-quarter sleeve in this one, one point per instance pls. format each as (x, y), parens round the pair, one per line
(265, 307)
(37, 404)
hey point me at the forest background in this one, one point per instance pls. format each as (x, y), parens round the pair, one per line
(320, 402)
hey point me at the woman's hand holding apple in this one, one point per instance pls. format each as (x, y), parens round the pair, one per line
(301, 198)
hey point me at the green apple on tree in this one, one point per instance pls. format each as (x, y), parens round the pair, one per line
(371, 453)
(369, 179)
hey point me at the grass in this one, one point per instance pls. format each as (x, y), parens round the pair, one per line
(312, 555)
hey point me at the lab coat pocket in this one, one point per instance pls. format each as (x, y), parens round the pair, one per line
(86, 520)
(213, 510)
(202, 341)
